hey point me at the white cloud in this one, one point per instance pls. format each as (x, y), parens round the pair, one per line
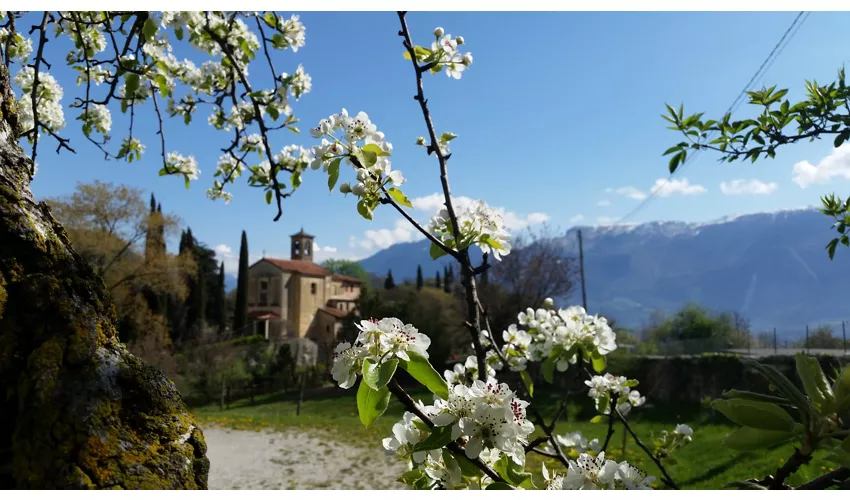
(604, 203)
(745, 186)
(663, 187)
(377, 239)
(576, 218)
(628, 191)
(537, 218)
(225, 254)
(604, 221)
(836, 164)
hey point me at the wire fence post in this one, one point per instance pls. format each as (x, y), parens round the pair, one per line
(844, 334)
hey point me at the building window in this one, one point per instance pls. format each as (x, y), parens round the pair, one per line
(313, 288)
(297, 247)
(264, 293)
(307, 248)
(328, 328)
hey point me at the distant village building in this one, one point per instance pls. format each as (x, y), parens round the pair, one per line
(297, 298)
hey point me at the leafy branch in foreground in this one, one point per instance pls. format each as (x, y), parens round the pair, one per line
(824, 113)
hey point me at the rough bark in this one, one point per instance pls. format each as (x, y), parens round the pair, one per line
(77, 410)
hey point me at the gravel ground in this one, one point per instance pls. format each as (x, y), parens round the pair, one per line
(273, 460)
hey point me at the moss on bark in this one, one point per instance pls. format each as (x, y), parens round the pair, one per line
(77, 409)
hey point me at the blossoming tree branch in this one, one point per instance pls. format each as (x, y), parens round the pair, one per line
(482, 420)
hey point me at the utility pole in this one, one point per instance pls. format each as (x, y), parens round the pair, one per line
(844, 334)
(581, 271)
(774, 340)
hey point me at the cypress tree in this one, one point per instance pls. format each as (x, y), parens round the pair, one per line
(240, 315)
(420, 282)
(485, 276)
(153, 203)
(437, 283)
(447, 279)
(389, 283)
(221, 301)
(199, 299)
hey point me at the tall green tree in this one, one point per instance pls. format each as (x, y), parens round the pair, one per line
(420, 282)
(348, 268)
(221, 302)
(240, 315)
(437, 281)
(447, 279)
(389, 283)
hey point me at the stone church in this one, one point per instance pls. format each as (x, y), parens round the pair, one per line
(297, 298)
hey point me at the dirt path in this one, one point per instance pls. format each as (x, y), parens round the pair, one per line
(272, 460)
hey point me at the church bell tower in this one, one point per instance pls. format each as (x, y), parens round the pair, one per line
(302, 246)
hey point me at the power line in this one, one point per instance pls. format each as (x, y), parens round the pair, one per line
(765, 66)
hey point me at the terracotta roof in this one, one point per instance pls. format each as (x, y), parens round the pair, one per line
(263, 315)
(342, 277)
(297, 266)
(336, 313)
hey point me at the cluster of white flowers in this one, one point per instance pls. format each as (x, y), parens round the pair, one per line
(444, 53)
(574, 441)
(597, 473)
(372, 166)
(488, 415)
(478, 225)
(671, 441)
(604, 388)
(378, 341)
(48, 95)
(299, 84)
(186, 165)
(97, 117)
(558, 334)
(19, 47)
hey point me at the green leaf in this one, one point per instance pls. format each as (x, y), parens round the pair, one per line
(179, 32)
(132, 82)
(420, 369)
(149, 29)
(754, 396)
(295, 179)
(162, 83)
(757, 414)
(596, 420)
(333, 174)
(598, 360)
(815, 383)
(841, 389)
(366, 158)
(499, 486)
(491, 242)
(411, 476)
(399, 197)
(512, 473)
(440, 437)
(273, 112)
(371, 404)
(529, 384)
(188, 182)
(447, 136)
(845, 445)
(374, 148)
(378, 376)
(436, 252)
(268, 197)
(749, 438)
(781, 382)
(363, 210)
(467, 467)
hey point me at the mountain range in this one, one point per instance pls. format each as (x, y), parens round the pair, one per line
(772, 268)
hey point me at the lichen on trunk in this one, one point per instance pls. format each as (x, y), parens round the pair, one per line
(77, 410)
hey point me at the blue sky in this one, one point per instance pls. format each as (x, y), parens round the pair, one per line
(557, 118)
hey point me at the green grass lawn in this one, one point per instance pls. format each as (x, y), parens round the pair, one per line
(703, 464)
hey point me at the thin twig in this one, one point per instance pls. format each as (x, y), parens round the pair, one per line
(832, 478)
(613, 403)
(667, 479)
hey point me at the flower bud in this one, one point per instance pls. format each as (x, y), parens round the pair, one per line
(467, 59)
(359, 189)
(420, 141)
(438, 32)
(345, 188)
(548, 303)
(459, 40)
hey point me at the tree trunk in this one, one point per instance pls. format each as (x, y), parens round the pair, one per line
(77, 410)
